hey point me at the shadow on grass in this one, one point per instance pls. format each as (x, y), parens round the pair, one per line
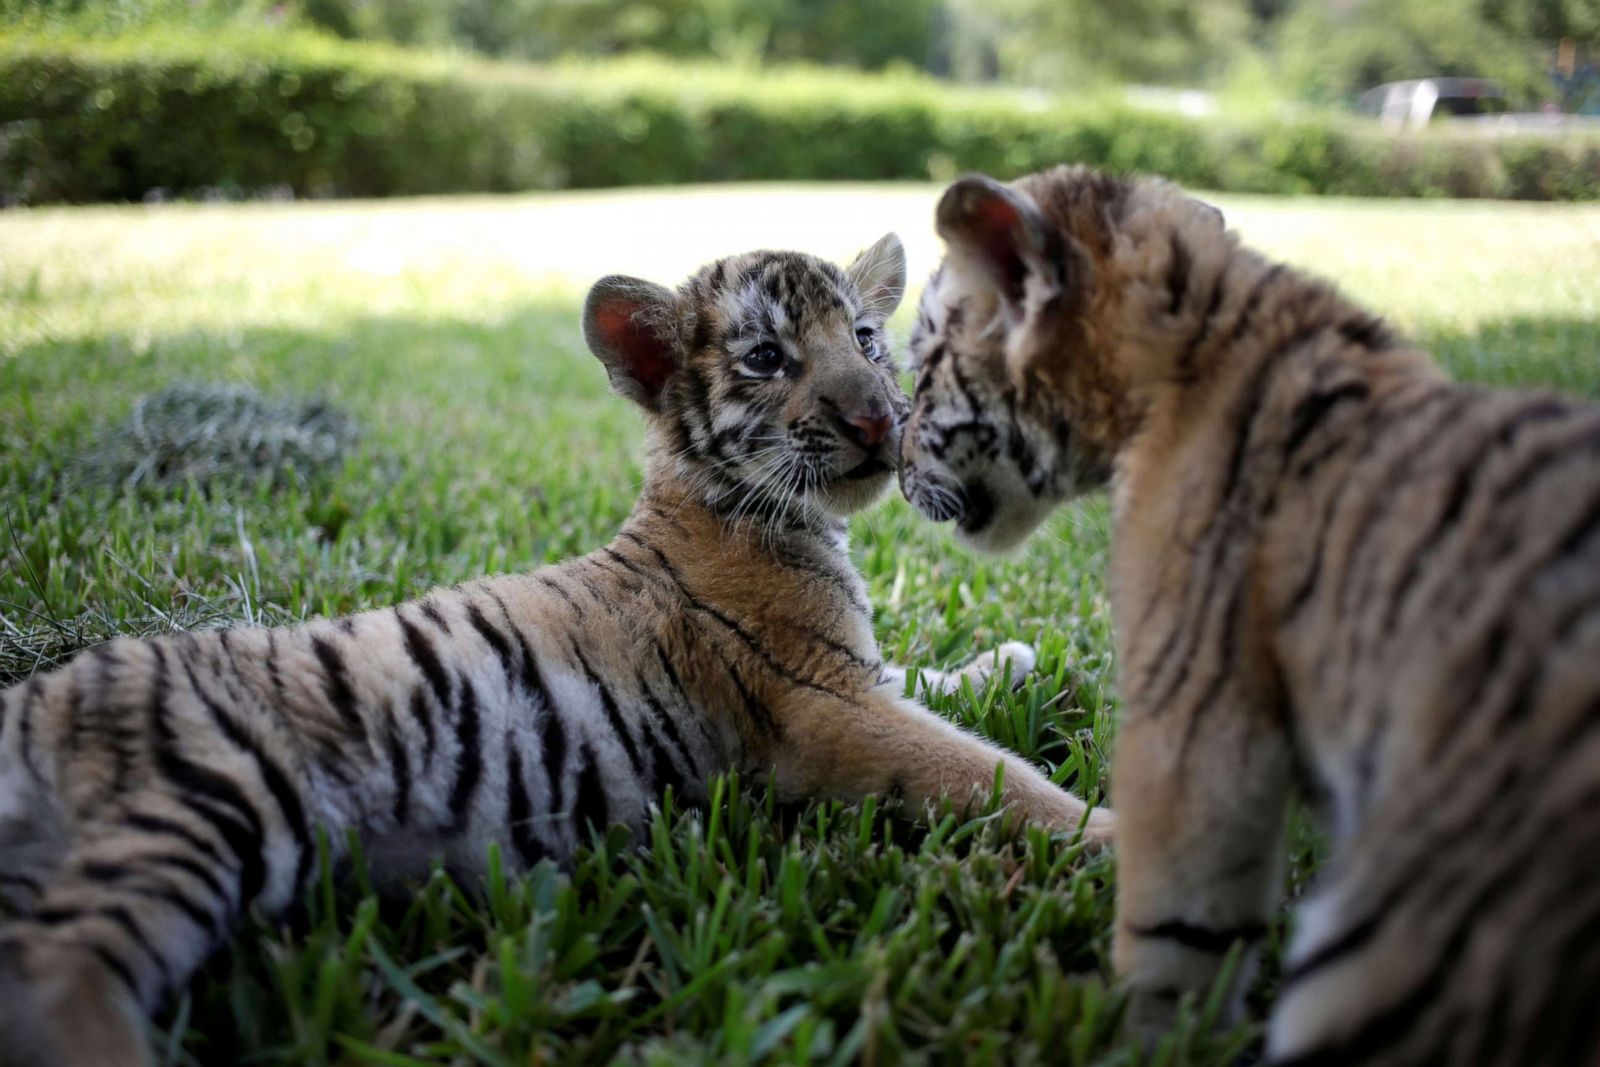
(487, 445)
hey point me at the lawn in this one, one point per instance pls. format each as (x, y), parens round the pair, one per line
(448, 330)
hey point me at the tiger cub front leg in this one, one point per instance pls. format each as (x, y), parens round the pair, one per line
(880, 742)
(1014, 658)
(1200, 800)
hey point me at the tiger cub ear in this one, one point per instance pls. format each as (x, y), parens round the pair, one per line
(630, 326)
(879, 275)
(999, 233)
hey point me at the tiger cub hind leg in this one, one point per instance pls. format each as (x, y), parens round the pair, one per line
(1011, 663)
(33, 842)
(141, 899)
(61, 1005)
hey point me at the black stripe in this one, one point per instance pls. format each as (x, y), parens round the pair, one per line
(276, 780)
(664, 771)
(32, 885)
(336, 683)
(1191, 351)
(527, 668)
(663, 716)
(589, 807)
(626, 580)
(733, 627)
(1383, 1028)
(519, 809)
(202, 874)
(596, 592)
(608, 704)
(469, 763)
(400, 764)
(420, 648)
(1368, 331)
(1465, 482)
(274, 671)
(1461, 487)
(623, 561)
(1252, 303)
(1255, 400)
(211, 796)
(1211, 939)
(74, 712)
(494, 638)
(158, 892)
(683, 699)
(118, 915)
(430, 611)
(1178, 267)
(163, 827)
(1351, 939)
(25, 724)
(115, 965)
(423, 714)
(1372, 437)
(669, 671)
(551, 584)
(668, 518)
(840, 582)
(759, 715)
(1579, 532)
(1313, 408)
(553, 753)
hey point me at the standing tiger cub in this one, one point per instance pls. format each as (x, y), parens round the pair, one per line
(1332, 570)
(152, 791)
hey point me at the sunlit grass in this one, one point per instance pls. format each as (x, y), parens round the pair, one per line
(448, 329)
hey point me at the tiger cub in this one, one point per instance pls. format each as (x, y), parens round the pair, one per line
(1333, 571)
(152, 791)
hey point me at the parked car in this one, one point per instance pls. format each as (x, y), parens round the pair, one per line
(1475, 104)
(1410, 104)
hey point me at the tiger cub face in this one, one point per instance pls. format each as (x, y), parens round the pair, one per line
(766, 377)
(1033, 340)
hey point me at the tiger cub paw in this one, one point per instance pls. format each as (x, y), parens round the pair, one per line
(1011, 662)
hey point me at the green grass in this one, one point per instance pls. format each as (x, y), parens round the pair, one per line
(448, 329)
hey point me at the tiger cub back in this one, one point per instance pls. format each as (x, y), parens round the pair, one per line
(1334, 572)
(151, 792)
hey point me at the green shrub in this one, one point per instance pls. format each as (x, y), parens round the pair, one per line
(115, 118)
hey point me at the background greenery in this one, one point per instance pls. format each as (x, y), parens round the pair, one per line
(133, 99)
(1317, 48)
(172, 111)
(448, 329)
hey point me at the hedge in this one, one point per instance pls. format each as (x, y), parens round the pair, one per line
(115, 119)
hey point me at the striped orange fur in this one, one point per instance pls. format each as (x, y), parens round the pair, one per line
(1334, 573)
(153, 791)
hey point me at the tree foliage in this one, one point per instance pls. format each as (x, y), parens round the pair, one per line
(1332, 52)
(1076, 42)
(1325, 50)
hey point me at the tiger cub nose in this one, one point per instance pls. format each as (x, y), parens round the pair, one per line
(866, 430)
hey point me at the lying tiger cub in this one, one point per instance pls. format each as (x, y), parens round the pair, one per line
(152, 791)
(1332, 569)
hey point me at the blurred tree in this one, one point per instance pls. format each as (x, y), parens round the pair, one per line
(870, 34)
(1547, 21)
(1335, 51)
(1569, 30)
(1074, 42)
